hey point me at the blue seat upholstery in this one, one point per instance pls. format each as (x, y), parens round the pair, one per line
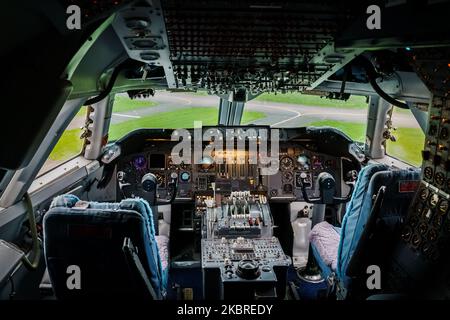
(91, 236)
(395, 204)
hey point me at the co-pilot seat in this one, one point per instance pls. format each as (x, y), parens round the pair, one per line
(111, 247)
(367, 231)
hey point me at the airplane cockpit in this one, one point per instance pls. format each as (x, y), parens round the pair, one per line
(212, 150)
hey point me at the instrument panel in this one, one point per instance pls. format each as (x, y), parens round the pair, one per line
(300, 161)
(300, 166)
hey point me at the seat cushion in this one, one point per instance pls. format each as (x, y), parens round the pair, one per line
(325, 240)
(163, 247)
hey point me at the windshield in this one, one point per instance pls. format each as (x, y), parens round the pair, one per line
(300, 110)
(165, 110)
(168, 110)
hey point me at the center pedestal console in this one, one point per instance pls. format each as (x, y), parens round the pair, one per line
(247, 268)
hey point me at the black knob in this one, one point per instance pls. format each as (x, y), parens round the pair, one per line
(248, 269)
(149, 182)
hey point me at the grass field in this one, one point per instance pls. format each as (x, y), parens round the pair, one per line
(408, 146)
(355, 130)
(68, 145)
(354, 102)
(183, 118)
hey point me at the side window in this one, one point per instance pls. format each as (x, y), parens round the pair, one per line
(69, 145)
(408, 136)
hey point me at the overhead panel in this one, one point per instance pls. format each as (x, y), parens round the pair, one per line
(143, 34)
(262, 46)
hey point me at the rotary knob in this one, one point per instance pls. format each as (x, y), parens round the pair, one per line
(248, 269)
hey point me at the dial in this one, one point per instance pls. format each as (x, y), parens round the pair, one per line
(443, 206)
(139, 162)
(287, 176)
(286, 163)
(185, 176)
(287, 188)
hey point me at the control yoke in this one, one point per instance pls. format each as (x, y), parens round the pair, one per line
(149, 185)
(327, 189)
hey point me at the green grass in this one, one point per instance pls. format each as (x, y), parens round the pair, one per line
(182, 118)
(407, 147)
(355, 130)
(409, 143)
(250, 116)
(354, 102)
(124, 104)
(68, 146)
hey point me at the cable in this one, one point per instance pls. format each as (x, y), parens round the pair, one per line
(372, 75)
(12, 292)
(108, 88)
(34, 235)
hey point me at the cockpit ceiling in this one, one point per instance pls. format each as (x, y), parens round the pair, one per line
(257, 45)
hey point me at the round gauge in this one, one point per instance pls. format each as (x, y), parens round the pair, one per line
(286, 163)
(185, 176)
(159, 179)
(139, 162)
(304, 161)
(443, 206)
(434, 200)
(287, 176)
(424, 194)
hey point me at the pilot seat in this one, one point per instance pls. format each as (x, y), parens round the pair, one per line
(373, 217)
(112, 246)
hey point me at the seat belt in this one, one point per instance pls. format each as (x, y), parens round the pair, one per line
(331, 284)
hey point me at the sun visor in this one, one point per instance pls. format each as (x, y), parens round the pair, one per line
(27, 120)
